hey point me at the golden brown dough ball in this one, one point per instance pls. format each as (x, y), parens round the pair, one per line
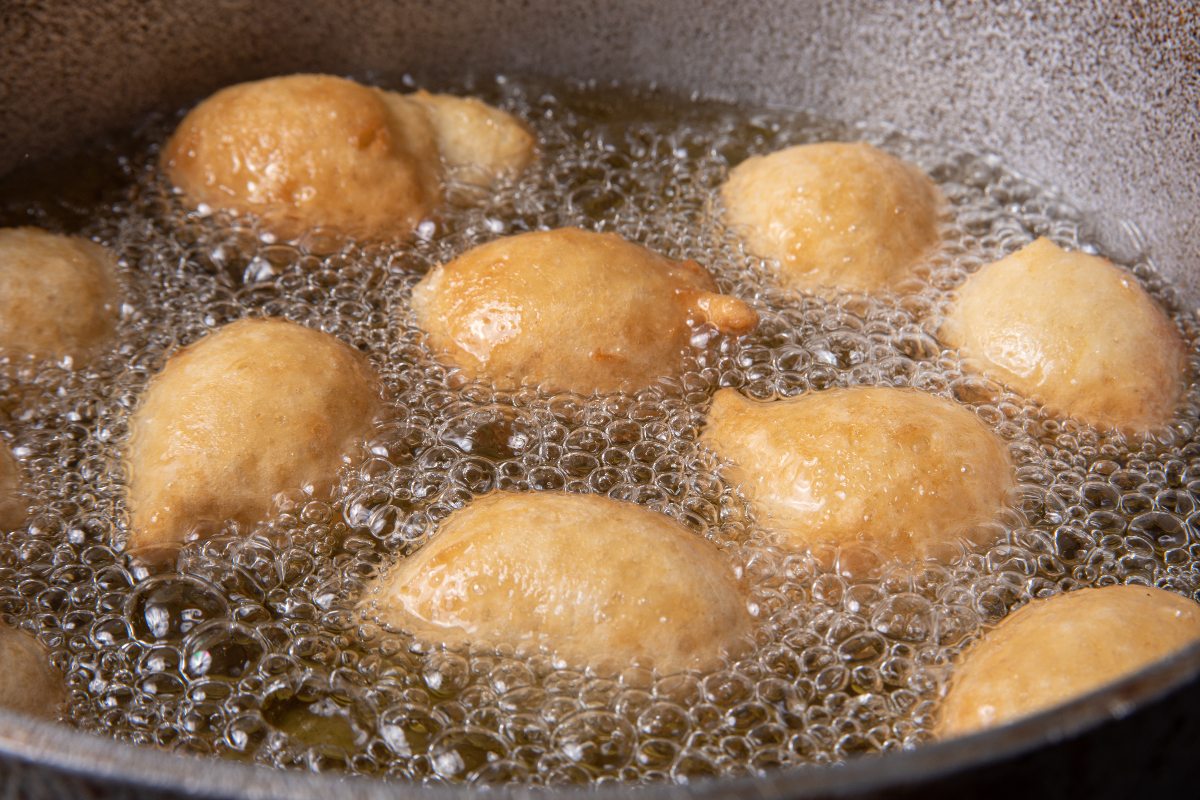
(302, 151)
(597, 581)
(1056, 649)
(834, 215)
(12, 507)
(58, 294)
(1073, 331)
(570, 310)
(479, 144)
(309, 150)
(258, 408)
(27, 682)
(895, 468)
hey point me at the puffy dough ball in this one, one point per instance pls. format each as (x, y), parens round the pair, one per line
(303, 151)
(27, 682)
(479, 144)
(834, 215)
(58, 294)
(570, 310)
(309, 150)
(12, 507)
(597, 581)
(256, 409)
(1054, 650)
(895, 468)
(1073, 331)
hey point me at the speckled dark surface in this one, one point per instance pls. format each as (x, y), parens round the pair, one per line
(1099, 98)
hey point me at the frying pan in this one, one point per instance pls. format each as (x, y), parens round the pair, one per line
(1099, 99)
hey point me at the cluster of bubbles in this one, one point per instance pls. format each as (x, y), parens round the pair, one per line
(254, 648)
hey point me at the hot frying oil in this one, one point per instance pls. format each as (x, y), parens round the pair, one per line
(255, 650)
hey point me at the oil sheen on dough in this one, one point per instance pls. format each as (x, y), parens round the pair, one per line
(571, 310)
(306, 151)
(1073, 331)
(1056, 649)
(897, 469)
(596, 581)
(834, 215)
(258, 408)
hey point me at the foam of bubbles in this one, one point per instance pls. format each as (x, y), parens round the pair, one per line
(255, 651)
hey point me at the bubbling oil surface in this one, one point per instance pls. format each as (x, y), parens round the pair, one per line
(254, 648)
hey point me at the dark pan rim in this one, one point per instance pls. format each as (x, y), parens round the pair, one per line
(94, 758)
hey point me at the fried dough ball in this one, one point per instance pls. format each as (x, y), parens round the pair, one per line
(898, 469)
(1073, 331)
(28, 684)
(256, 409)
(1054, 650)
(303, 151)
(479, 144)
(58, 294)
(12, 507)
(309, 150)
(597, 581)
(570, 310)
(834, 215)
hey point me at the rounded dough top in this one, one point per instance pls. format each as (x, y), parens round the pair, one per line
(58, 294)
(569, 309)
(1073, 331)
(258, 408)
(834, 215)
(897, 469)
(28, 684)
(12, 506)
(479, 144)
(1056, 649)
(302, 151)
(597, 581)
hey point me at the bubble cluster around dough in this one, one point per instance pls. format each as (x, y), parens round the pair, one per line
(570, 310)
(597, 581)
(27, 682)
(834, 215)
(12, 505)
(258, 408)
(1063, 647)
(1073, 331)
(58, 295)
(307, 151)
(901, 470)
